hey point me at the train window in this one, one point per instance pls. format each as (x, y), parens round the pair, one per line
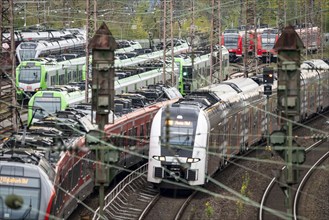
(74, 75)
(61, 79)
(69, 76)
(115, 140)
(82, 77)
(64, 182)
(53, 80)
(132, 136)
(65, 78)
(122, 139)
(30, 75)
(135, 135)
(141, 133)
(76, 173)
(69, 177)
(147, 129)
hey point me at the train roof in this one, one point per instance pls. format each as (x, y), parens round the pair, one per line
(19, 155)
(75, 122)
(20, 162)
(242, 84)
(51, 64)
(223, 91)
(29, 35)
(231, 92)
(315, 63)
(52, 43)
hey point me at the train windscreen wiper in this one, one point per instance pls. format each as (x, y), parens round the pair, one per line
(27, 211)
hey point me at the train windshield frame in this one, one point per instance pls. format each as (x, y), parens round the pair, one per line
(46, 105)
(31, 200)
(30, 74)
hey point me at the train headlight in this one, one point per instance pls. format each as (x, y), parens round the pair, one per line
(160, 158)
(37, 89)
(192, 160)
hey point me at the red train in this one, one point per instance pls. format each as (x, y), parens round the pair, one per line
(65, 178)
(265, 43)
(232, 40)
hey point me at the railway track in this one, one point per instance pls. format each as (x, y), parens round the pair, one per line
(169, 206)
(130, 198)
(270, 208)
(135, 198)
(310, 186)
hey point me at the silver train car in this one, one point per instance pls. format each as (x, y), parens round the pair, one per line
(195, 137)
(56, 46)
(27, 177)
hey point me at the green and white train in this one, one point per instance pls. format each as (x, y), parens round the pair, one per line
(39, 74)
(191, 78)
(54, 99)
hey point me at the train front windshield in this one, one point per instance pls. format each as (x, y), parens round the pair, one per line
(231, 41)
(30, 206)
(268, 41)
(27, 51)
(27, 54)
(180, 140)
(45, 105)
(29, 75)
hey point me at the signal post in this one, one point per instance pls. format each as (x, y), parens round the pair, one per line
(103, 46)
(289, 47)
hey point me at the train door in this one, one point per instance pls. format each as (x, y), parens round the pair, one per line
(233, 133)
(245, 126)
(239, 133)
(312, 99)
(66, 76)
(57, 78)
(254, 124)
(303, 94)
(325, 90)
(148, 130)
(261, 120)
(222, 143)
(212, 152)
(229, 137)
(319, 91)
